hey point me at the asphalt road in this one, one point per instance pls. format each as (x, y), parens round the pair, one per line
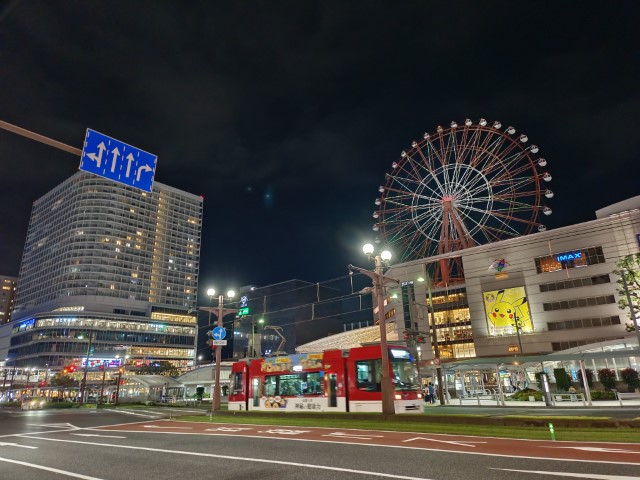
(143, 444)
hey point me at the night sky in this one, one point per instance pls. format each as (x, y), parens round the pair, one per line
(285, 116)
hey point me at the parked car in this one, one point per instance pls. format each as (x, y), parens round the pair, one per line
(33, 403)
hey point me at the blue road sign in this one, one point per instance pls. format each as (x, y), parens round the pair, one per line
(219, 333)
(117, 161)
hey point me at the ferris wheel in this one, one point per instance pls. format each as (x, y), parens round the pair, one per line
(462, 186)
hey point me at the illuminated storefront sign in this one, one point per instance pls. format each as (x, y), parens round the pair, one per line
(106, 362)
(565, 257)
(506, 309)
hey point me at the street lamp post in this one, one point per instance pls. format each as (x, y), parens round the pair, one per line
(4, 380)
(83, 385)
(121, 370)
(29, 372)
(516, 323)
(253, 335)
(221, 312)
(379, 280)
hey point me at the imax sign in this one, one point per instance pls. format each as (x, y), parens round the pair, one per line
(565, 257)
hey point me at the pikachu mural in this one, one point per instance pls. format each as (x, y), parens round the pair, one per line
(506, 307)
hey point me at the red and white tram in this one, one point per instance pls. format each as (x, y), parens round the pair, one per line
(331, 381)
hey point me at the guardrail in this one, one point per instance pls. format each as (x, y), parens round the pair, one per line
(571, 397)
(627, 396)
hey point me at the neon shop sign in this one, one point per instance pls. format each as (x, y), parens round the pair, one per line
(565, 257)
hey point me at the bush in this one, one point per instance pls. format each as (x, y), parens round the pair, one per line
(589, 375)
(523, 395)
(630, 377)
(602, 395)
(563, 382)
(608, 378)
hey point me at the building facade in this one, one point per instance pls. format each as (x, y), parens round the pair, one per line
(7, 296)
(536, 294)
(108, 272)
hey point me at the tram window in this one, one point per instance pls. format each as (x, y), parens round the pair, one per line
(237, 382)
(270, 386)
(293, 384)
(368, 375)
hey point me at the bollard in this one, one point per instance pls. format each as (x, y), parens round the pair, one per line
(552, 432)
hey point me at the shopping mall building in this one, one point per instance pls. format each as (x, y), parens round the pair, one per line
(542, 293)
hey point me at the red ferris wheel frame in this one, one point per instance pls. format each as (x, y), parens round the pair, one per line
(459, 187)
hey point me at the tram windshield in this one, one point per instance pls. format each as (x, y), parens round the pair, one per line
(405, 374)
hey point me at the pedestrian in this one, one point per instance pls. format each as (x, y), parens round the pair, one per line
(432, 393)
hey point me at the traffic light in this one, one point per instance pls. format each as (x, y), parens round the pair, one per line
(69, 369)
(210, 340)
(407, 335)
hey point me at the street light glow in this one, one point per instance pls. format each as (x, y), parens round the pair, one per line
(367, 248)
(231, 294)
(211, 292)
(385, 255)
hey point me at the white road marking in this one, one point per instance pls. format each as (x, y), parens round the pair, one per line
(4, 444)
(337, 440)
(54, 425)
(351, 435)
(96, 435)
(596, 449)
(49, 469)
(593, 476)
(227, 429)
(283, 431)
(441, 441)
(160, 426)
(137, 414)
(241, 459)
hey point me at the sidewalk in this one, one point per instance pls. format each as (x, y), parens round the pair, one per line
(630, 409)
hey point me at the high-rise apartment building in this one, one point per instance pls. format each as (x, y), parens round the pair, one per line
(111, 266)
(7, 295)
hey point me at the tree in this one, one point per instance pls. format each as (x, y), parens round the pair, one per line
(64, 381)
(563, 382)
(159, 368)
(589, 374)
(608, 378)
(630, 377)
(629, 269)
(199, 393)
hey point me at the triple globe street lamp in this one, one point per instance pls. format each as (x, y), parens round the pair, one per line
(379, 281)
(220, 312)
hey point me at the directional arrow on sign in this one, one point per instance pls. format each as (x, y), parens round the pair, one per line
(98, 158)
(443, 441)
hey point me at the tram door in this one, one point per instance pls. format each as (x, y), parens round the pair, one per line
(331, 389)
(255, 384)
